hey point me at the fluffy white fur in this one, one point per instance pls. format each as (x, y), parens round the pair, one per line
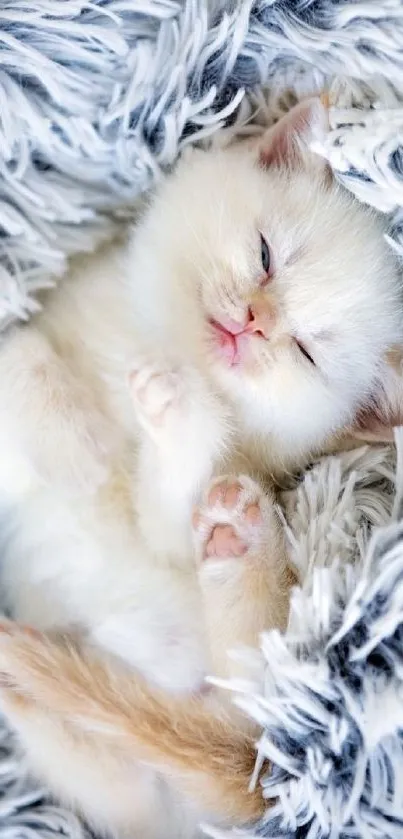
(118, 404)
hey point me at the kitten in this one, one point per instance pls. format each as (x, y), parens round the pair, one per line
(246, 321)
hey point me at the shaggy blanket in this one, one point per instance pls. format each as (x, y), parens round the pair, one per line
(97, 99)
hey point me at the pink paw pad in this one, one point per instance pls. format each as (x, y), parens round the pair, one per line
(229, 522)
(225, 542)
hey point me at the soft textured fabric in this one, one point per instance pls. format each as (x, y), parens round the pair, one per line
(97, 99)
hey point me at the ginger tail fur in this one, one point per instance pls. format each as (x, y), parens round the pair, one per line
(196, 738)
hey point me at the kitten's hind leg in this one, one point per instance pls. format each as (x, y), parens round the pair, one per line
(186, 429)
(243, 568)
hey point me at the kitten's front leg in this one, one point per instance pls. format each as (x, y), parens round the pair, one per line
(51, 429)
(243, 569)
(185, 431)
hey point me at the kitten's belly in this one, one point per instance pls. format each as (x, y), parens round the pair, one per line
(63, 567)
(47, 562)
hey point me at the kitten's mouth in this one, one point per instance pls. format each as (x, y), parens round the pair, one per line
(228, 344)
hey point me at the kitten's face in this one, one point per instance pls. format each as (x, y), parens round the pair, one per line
(297, 289)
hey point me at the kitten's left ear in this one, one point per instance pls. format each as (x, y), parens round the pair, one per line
(375, 423)
(288, 143)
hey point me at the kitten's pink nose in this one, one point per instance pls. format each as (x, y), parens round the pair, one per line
(262, 317)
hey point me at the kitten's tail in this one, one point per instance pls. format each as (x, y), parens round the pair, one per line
(194, 737)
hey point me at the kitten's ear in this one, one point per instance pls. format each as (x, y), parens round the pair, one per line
(288, 142)
(375, 423)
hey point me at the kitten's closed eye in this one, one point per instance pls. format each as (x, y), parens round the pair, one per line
(304, 352)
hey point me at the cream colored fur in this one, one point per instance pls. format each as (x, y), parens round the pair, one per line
(118, 408)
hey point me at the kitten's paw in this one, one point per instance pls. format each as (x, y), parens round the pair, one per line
(157, 392)
(232, 521)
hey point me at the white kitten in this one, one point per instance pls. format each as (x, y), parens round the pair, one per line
(247, 320)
